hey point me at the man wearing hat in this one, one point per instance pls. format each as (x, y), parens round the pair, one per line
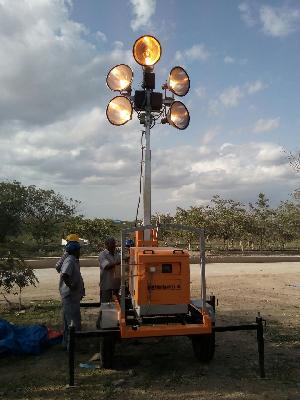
(72, 237)
(71, 288)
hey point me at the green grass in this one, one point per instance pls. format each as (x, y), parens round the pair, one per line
(42, 312)
(162, 368)
(279, 333)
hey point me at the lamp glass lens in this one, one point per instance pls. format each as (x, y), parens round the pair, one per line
(119, 110)
(119, 77)
(146, 50)
(178, 115)
(179, 81)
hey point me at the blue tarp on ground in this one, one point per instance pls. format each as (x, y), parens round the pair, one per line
(30, 339)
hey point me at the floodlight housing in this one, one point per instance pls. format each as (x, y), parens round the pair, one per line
(119, 110)
(178, 115)
(119, 78)
(178, 81)
(146, 50)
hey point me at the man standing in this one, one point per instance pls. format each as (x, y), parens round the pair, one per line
(71, 288)
(72, 237)
(109, 263)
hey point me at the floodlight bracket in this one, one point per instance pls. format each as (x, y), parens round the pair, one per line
(148, 68)
(126, 93)
(167, 101)
(142, 118)
(148, 80)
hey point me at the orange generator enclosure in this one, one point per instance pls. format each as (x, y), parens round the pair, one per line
(159, 280)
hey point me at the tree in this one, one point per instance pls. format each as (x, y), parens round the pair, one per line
(94, 230)
(163, 219)
(14, 275)
(294, 161)
(287, 222)
(227, 219)
(47, 212)
(13, 197)
(193, 217)
(262, 219)
(40, 212)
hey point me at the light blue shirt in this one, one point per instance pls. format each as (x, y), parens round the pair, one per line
(71, 267)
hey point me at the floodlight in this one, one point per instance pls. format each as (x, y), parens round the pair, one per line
(146, 50)
(178, 81)
(178, 115)
(119, 77)
(119, 110)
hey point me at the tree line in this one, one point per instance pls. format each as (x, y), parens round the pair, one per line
(34, 220)
(230, 224)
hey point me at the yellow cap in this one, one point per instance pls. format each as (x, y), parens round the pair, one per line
(72, 237)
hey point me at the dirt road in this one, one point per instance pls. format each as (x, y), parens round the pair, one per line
(257, 281)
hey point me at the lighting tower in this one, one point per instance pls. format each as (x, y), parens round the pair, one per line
(149, 104)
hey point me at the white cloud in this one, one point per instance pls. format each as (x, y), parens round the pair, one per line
(270, 154)
(72, 151)
(214, 107)
(255, 86)
(273, 21)
(200, 91)
(101, 36)
(196, 52)
(229, 60)
(235, 171)
(82, 152)
(209, 135)
(231, 96)
(280, 21)
(47, 67)
(247, 14)
(118, 45)
(266, 125)
(143, 11)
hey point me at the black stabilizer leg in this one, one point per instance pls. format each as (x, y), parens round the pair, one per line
(212, 301)
(260, 345)
(71, 350)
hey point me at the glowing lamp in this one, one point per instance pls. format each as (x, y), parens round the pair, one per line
(119, 110)
(178, 81)
(146, 50)
(178, 115)
(119, 78)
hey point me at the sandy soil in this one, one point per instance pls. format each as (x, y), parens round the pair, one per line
(256, 281)
(167, 369)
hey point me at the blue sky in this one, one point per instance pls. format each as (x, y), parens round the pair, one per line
(243, 61)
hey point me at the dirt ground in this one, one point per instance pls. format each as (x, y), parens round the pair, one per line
(166, 368)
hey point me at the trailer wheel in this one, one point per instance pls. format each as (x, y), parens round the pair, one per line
(107, 348)
(204, 347)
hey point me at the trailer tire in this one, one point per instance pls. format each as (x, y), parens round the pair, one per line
(204, 347)
(107, 349)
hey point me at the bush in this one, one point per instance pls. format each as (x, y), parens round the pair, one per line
(14, 275)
